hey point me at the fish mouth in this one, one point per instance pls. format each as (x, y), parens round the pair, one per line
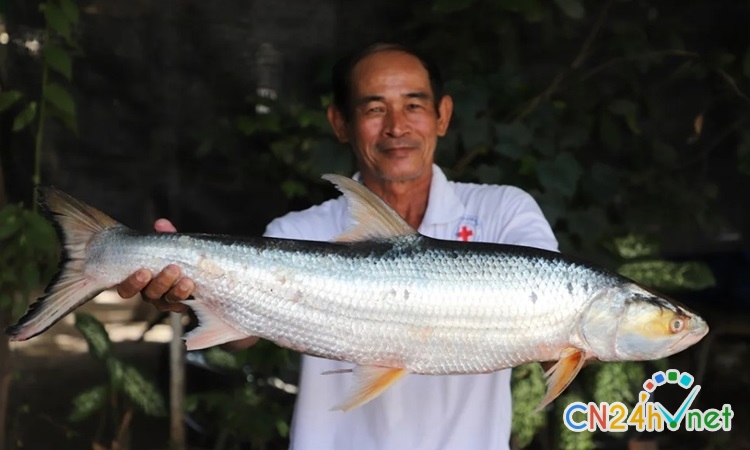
(694, 337)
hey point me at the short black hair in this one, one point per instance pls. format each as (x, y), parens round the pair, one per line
(341, 79)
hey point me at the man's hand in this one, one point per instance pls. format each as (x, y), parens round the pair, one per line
(167, 289)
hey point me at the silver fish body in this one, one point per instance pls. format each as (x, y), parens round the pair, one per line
(412, 302)
(382, 297)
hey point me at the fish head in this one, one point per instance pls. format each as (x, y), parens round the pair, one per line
(630, 323)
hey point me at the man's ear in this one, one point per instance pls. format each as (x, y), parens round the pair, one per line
(446, 110)
(338, 123)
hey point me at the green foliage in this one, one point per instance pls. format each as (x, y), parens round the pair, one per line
(126, 384)
(527, 390)
(261, 395)
(28, 256)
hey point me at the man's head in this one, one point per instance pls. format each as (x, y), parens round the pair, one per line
(388, 104)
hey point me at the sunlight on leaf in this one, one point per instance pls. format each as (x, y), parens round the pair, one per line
(88, 402)
(571, 440)
(142, 392)
(618, 382)
(636, 246)
(528, 388)
(95, 334)
(24, 118)
(669, 275)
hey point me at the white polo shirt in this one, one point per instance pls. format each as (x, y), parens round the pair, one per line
(418, 411)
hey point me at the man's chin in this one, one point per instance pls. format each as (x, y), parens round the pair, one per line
(401, 176)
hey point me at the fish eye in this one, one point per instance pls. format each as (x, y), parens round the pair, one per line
(676, 325)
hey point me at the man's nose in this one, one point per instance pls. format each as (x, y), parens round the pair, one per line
(396, 123)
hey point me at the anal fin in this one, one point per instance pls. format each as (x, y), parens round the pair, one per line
(369, 382)
(212, 329)
(562, 374)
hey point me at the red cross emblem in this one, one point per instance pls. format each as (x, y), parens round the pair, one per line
(464, 233)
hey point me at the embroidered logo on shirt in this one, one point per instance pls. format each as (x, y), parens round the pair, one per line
(467, 229)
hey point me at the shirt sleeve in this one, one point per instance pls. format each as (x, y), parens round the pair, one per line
(523, 222)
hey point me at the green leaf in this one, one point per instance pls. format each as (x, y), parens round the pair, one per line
(70, 10)
(31, 275)
(60, 98)
(572, 8)
(668, 275)
(450, 6)
(142, 392)
(89, 402)
(553, 206)
(283, 428)
(293, 188)
(513, 139)
(59, 60)
(561, 174)
(516, 132)
(9, 98)
(218, 357)
(488, 174)
(96, 336)
(56, 19)
(9, 220)
(68, 120)
(41, 233)
(635, 246)
(588, 224)
(528, 389)
(25, 117)
(328, 156)
(618, 382)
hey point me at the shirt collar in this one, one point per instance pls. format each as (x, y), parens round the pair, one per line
(443, 205)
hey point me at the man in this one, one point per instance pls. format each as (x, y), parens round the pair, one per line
(389, 107)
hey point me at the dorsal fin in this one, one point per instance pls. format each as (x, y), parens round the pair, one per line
(372, 216)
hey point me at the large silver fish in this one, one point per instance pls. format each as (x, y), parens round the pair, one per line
(382, 297)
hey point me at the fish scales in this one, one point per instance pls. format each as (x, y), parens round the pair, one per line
(382, 297)
(429, 309)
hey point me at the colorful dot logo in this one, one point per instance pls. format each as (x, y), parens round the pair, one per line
(673, 376)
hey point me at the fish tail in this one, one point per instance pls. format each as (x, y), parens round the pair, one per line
(76, 223)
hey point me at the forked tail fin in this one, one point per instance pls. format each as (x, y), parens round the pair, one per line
(76, 224)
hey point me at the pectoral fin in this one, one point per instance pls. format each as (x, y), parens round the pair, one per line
(369, 382)
(562, 374)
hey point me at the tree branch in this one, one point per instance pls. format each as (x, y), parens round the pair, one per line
(532, 104)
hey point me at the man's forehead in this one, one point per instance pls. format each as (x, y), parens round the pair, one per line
(387, 69)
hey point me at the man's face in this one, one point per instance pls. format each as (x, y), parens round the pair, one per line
(394, 126)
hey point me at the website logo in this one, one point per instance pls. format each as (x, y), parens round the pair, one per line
(650, 416)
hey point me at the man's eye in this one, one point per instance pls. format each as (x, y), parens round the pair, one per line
(415, 106)
(375, 109)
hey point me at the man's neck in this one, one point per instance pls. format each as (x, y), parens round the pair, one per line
(407, 198)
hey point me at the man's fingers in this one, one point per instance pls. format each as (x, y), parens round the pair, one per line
(181, 290)
(164, 226)
(134, 283)
(162, 283)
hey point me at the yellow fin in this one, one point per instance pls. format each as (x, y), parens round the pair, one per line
(372, 216)
(561, 374)
(369, 382)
